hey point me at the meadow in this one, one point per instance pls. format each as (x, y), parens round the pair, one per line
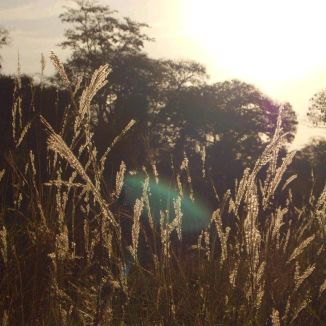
(72, 254)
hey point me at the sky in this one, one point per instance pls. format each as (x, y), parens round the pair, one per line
(277, 45)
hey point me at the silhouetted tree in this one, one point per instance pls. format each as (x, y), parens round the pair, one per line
(4, 40)
(97, 37)
(309, 164)
(230, 121)
(317, 108)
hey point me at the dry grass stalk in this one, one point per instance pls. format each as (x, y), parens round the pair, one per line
(300, 278)
(138, 208)
(275, 318)
(60, 69)
(2, 173)
(223, 236)
(300, 308)
(178, 216)
(3, 244)
(155, 173)
(239, 271)
(322, 288)
(119, 179)
(115, 140)
(98, 81)
(57, 145)
(300, 249)
(23, 134)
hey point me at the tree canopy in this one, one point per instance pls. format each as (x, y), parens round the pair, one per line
(96, 36)
(317, 108)
(4, 39)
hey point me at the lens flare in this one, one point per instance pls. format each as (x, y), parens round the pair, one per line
(161, 197)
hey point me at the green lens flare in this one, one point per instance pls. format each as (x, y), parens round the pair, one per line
(161, 197)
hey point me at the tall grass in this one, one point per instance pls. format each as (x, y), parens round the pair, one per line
(69, 257)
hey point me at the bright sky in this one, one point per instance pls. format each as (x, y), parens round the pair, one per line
(278, 45)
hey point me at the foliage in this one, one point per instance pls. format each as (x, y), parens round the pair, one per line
(309, 164)
(97, 37)
(228, 122)
(4, 38)
(317, 108)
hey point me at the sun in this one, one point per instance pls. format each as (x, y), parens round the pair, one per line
(262, 41)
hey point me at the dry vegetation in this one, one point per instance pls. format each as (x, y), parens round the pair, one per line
(69, 257)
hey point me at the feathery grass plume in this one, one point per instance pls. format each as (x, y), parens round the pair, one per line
(271, 187)
(184, 163)
(223, 236)
(276, 224)
(78, 84)
(303, 227)
(185, 167)
(60, 69)
(166, 229)
(58, 145)
(2, 173)
(320, 211)
(115, 140)
(202, 153)
(165, 234)
(322, 288)
(35, 188)
(98, 81)
(269, 154)
(252, 234)
(301, 307)
(61, 198)
(241, 190)
(300, 249)
(3, 244)
(260, 285)
(23, 134)
(62, 244)
(16, 110)
(179, 185)
(287, 238)
(275, 316)
(271, 167)
(43, 65)
(138, 208)
(199, 241)
(155, 173)
(18, 75)
(32, 162)
(233, 274)
(119, 179)
(299, 279)
(178, 216)
(13, 121)
(207, 247)
(289, 180)
(321, 203)
(145, 198)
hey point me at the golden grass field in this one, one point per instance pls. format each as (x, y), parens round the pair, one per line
(69, 260)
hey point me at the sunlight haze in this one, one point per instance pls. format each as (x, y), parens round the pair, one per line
(276, 45)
